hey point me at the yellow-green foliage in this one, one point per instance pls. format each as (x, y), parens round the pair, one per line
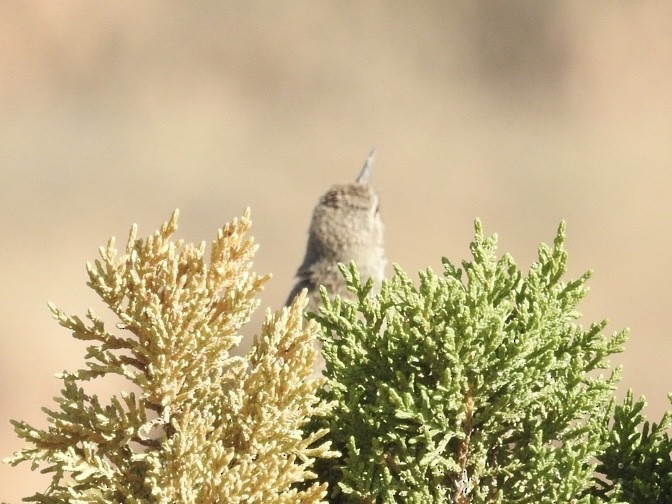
(205, 426)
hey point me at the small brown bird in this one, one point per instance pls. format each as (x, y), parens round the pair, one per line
(345, 227)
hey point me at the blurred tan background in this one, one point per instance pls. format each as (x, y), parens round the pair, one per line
(520, 113)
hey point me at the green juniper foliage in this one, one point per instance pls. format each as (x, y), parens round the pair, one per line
(473, 386)
(637, 462)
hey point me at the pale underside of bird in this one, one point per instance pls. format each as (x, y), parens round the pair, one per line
(345, 227)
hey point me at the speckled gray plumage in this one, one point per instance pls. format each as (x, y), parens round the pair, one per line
(346, 226)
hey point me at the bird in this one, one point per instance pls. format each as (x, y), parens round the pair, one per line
(345, 227)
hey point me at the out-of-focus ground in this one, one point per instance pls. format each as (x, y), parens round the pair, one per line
(520, 113)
